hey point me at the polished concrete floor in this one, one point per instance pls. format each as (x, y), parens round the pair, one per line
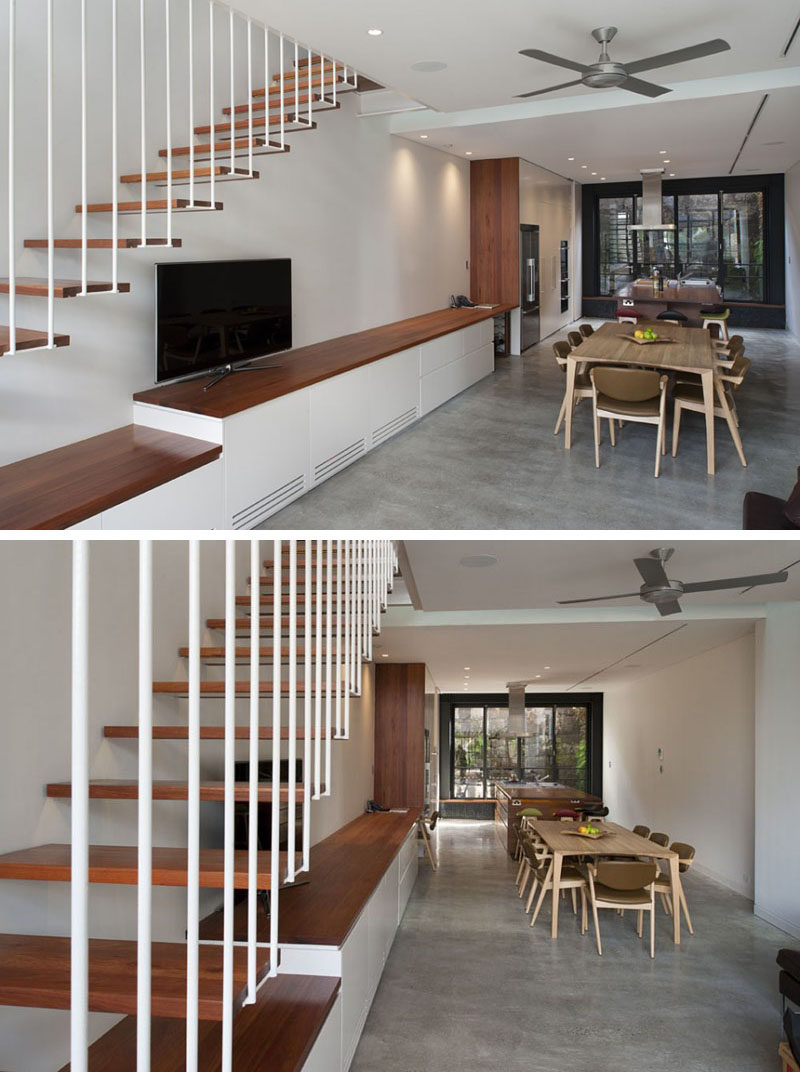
(488, 459)
(468, 985)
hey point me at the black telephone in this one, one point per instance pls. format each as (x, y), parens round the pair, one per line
(373, 805)
(461, 301)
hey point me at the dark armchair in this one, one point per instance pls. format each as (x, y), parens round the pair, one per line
(761, 511)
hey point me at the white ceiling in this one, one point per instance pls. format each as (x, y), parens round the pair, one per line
(503, 622)
(485, 71)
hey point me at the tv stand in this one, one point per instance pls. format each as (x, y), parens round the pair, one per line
(229, 370)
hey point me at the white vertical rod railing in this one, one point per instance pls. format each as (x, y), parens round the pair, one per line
(213, 162)
(348, 614)
(275, 830)
(360, 611)
(191, 103)
(328, 664)
(193, 815)
(296, 85)
(232, 90)
(114, 147)
(144, 893)
(250, 96)
(292, 806)
(79, 885)
(168, 103)
(50, 239)
(370, 596)
(228, 806)
(310, 57)
(353, 614)
(252, 755)
(12, 257)
(143, 130)
(333, 79)
(339, 664)
(84, 156)
(318, 677)
(283, 98)
(307, 657)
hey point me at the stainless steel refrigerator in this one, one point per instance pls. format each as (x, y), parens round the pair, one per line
(529, 285)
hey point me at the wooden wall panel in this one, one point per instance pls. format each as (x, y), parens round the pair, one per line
(494, 231)
(400, 735)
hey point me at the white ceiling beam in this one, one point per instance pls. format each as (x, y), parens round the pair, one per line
(408, 618)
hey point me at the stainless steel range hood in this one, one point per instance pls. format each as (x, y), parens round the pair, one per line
(651, 203)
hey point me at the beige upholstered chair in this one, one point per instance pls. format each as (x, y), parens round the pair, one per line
(629, 394)
(622, 884)
(690, 396)
(663, 886)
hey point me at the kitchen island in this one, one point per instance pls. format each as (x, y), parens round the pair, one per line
(548, 797)
(687, 298)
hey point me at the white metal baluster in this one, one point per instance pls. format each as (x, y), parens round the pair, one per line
(333, 76)
(50, 240)
(79, 885)
(283, 98)
(228, 807)
(307, 657)
(339, 664)
(318, 681)
(145, 808)
(353, 613)
(296, 85)
(277, 633)
(12, 261)
(84, 156)
(370, 597)
(348, 676)
(193, 814)
(360, 630)
(233, 93)
(168, 101)
(328, 666)
(250, 95)
(252, 811)
(291, 811)
(191, 103)
(211, 98)
(143, 132)
(114, 148)
(310, 58)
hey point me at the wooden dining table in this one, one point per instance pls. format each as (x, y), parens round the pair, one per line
(618, 841)
(689, 350)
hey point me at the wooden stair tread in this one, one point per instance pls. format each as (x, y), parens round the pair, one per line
(264, 625)
(35, 973)
(207, 733)
(28, 339)
(63, 486)
(277, 1032)
(100, 243)
(258, 105)
(241, 652)
(179, 175)
(32, 286)
(121, 789)
(118, 865)
(260, 121)
(217, 688)
(240, 145)
(178, 204)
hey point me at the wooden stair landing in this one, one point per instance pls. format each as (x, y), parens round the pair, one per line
(35, 973)
(207, 733)
(277, 1033)
(62, 288)
(120, 789)
(118, 865)
(26, 339)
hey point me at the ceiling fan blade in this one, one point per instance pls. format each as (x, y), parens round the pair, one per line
(785, 569)
(737, 582)
(550, 89)
(558, 61)
(671, 607)
(652, 571)
(680, 55)
(645, 89)
(597, 599)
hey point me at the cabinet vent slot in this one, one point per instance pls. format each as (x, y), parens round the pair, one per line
(251, 515)
(394, 425)
(340, 460)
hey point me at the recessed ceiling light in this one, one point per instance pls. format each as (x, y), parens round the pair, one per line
(467, 667)
(547, 668)
(384, 654)
(570, 158)
(468, 152)
(478, 561)
(584, 166)
(672, 174)
(374, 32)
(423, 136)
(663, 152)
(594, 172)
(428, 66)
(602, 178)
(537, 676)
(667, 161)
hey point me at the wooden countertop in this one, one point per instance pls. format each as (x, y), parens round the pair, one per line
(545, 792)
(64, 486)
(345, 871)
(679, 295)
(310, 364)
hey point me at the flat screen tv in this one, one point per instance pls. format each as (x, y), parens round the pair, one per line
(215, 316)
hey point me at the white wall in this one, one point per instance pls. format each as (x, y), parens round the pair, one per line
(777, 750)
(701, 712)
(546, 199)
(377, 227)
(35, 671)
(793, 250)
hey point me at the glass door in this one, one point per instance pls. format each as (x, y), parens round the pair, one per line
(698, 235)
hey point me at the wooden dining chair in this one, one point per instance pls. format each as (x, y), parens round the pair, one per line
(619, 885)
(425, 826)
(586, 330)
(575, 339)
(583, 385)
(689, 396)
(572, 879)
(663, 885)
(629, 394)
(642, 831)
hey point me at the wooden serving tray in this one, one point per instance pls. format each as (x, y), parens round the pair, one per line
(591, 837)
(645, 342)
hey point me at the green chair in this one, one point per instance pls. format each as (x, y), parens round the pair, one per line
(525, 813)
(719, 316)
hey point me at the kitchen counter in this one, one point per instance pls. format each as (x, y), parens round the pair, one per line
(548, 797)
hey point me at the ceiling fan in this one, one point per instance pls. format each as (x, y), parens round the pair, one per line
(606, 73)
(659, 589)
